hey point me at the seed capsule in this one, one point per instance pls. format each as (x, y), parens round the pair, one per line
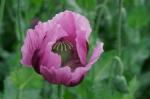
(62, 46)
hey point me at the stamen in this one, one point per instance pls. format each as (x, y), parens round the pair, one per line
(54, 47)
(58, 46)
(65, 47)
(62, 46)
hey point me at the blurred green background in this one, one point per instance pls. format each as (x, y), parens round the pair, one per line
(103, 81)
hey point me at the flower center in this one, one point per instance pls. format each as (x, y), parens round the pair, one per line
(63, 48)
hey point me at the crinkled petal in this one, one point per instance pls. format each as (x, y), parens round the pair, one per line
(32, 42)
(50, 58)
(48, 74)
(56, 76)
(98, 50)
(66, 20)
(81, 45)
(77, 76)
(73, 22)
(41, 29)
(30, 45)
(80, 72)
(82, 24)
(53, 35)
(65, 76)
(38, 38)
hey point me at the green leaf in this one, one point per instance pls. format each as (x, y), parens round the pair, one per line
(103, 65)
(133, 86)
(26, 78)
(138, 17)
(22, 84)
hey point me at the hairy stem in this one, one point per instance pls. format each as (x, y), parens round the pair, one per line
(2, 6)
(60, 92)
(117, 67)
(18, 20)
(18, 96)
(119, 27)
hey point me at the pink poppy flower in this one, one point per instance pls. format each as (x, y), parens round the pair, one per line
(58, 49)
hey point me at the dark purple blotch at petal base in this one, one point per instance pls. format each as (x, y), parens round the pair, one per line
(36, 61)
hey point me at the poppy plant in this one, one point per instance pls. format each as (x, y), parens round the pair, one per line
(57, 49)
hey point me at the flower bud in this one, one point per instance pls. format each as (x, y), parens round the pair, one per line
(120, 84)
(119, 66)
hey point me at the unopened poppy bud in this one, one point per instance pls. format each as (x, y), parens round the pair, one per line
(119, 66)
(120, 84)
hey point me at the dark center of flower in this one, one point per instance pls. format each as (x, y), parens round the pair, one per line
(63, 48)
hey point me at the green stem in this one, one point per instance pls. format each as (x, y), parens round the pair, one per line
(60, 92)
(18, 94)
(2, 6)
(117, 67)
(18, 27)
(102, 6)
(119, 28)
(19, 34)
